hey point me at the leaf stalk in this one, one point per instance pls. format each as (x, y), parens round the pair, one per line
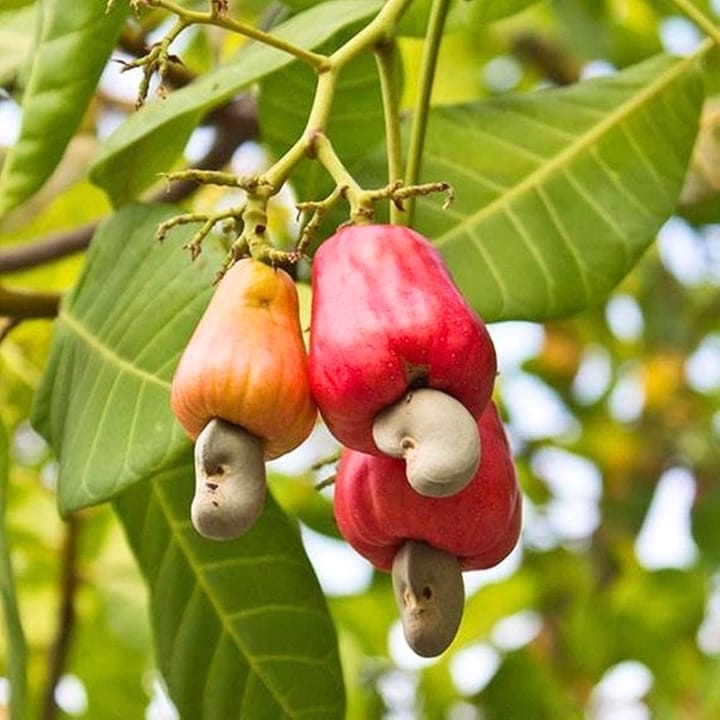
(428, 64)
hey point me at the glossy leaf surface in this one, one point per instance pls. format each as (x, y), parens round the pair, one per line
(241, 627)
(75, 40)
(559, 192)
(117, 340)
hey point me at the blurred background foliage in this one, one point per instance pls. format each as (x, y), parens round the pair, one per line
(610, 608)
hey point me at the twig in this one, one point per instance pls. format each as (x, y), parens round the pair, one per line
(553, 61)
(327, 482)
(69, 582)
(235, 123)
(386, 59)
(51, 247)
(23, 305)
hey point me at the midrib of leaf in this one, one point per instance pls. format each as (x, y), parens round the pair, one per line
(583, 143)
(108, 354)
(224, 618)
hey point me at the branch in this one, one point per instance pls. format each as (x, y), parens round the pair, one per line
(133, 41)
(235, 123)
(51, 247)
(22, 305)
(549, 57)
(69, 582)
(7, 327)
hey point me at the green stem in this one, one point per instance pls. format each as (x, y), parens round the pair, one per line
(380, 29)
(315, 60)
(313, 142)
(699, 18)
(15, 643)
(361, 210)
(428, 63)
(386, 59)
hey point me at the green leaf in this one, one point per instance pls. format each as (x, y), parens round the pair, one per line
(75, 41)
(559, 193)
(491, 603)
(14, 636)
(460, 15)
(298, 497)
(242, 628)
(103, 404)
(296, 5)
(487, 10)
(150, 140)
(15, 4)
(17, 30)
(543, 696)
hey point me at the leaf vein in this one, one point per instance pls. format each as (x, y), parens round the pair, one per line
(106, 353)
(584, 140)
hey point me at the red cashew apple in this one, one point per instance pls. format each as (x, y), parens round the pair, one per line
(377, 511)
(241, 391)
(426, 542)
(387, 318)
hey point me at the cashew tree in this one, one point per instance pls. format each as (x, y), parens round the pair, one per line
(359, 358)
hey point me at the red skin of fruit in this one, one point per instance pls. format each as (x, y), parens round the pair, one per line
(377, 510)
(386, 318)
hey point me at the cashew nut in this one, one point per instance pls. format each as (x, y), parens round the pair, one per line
(229, 481)
(437, 436)
(430, 594)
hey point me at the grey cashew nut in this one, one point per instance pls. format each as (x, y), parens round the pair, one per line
(230, 482)
(430, 594)
(437, 436)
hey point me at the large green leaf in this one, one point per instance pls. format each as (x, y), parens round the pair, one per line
(104, 401)
(242, 629)
(14, 636)
(487, 10)
(460, 14)
(561, 191)
(75, 41)
(17, 29)
(150, 140)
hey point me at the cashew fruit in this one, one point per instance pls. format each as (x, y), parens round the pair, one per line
(246, 362)
(387, 318)
(377, 511)
(430, 595)
(230, 486)
(436, 436)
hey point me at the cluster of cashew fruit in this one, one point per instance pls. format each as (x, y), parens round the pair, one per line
(402, 371)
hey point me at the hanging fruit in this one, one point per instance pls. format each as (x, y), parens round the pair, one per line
(241, 391)
(388, 320)
(379, 514)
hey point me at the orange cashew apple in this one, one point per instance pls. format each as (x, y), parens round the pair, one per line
(241, 391)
